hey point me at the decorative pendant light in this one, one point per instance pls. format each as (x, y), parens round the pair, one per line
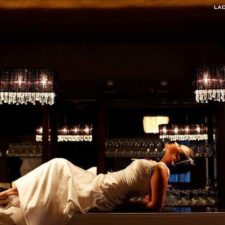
(78, 133)
(183, 132)
(210, 84)
(23, 86)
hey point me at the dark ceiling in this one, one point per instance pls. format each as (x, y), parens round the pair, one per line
(135, 48)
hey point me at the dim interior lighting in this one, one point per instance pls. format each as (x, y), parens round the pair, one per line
(176, 130)
(192, 132)
(210, 84)
(187, 129)
(44, 80)
(64, 130)
(23, 86)
(75, 130)
(79, 133)
(151, 123)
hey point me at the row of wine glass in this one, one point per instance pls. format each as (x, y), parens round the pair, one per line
(191, 197)
(24, 150)
(143, 147)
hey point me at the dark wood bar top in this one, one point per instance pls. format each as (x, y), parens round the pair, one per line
(198, 218)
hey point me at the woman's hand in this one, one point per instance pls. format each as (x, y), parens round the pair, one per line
(147, 202)
(5, 194)
(146, 199)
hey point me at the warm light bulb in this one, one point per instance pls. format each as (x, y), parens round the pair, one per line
(40, 130)
(206, 78)
(44, 80)
(187, 129)
(198, 129)
(64, 130)
(75, 130)
(164, 130)
(20, 80)
(86, 130)
(175, 130)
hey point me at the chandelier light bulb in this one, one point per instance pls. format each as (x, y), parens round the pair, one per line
(20, 80)
(40, 130)
(76, 130)
(206, 78)
(44, 81)
(64, 130)
(198, 129)
(86, 130)
(187, 129)
(77, 134)
(176, 132)
(164, 130)
(210, 84)
(23, 86)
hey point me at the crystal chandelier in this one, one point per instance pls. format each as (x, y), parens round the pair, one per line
(184, 132)
(23, 86)
(210, 84)
(77, 133)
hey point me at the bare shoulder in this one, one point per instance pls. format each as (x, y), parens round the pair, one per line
(161, 170)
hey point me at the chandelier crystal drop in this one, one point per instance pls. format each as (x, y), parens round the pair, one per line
(23, 86)
(210, 84)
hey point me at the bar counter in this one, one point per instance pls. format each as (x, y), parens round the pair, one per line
(162, 218)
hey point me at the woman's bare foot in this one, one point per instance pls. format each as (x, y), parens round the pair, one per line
(5, 194)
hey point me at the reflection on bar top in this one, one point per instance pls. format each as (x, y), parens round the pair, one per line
(69, 4)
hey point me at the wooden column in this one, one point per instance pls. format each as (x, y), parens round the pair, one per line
(210, 123)
(101, 135)
(45, 134)
(4, 175)
(211, 170)
(220, 146)
(54, 132)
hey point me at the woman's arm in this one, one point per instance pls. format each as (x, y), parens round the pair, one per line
(132, 206)
(158, 187)
(155, 200)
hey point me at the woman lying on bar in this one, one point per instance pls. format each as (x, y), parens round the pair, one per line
(55, 191)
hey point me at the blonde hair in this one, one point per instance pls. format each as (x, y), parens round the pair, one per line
(188, 152)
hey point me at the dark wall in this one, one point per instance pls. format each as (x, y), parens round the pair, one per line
(136, 68)
(124, 122)
(20, 120)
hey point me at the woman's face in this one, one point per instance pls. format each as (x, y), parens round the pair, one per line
(171, 150)
(178, 152)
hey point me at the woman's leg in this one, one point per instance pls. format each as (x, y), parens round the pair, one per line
(5, 219)
(15, 214)
(12, 216)
(10, 211)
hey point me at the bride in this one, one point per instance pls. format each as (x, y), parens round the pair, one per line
(52, 193)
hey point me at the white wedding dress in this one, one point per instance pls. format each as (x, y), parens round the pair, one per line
(52, 193)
